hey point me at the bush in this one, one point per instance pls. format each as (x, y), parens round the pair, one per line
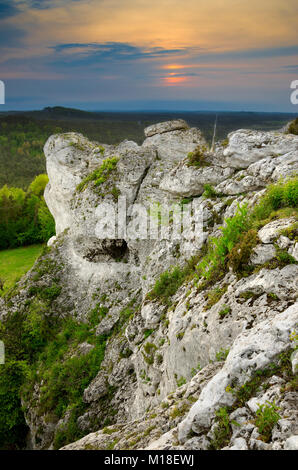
(167, 285)
(209, 192)
(293, 127)
(223, 431)
(239, 256)
(267, 417)
(13, 429)
(277, 196)
(170, 281)
(25, 217)
(220, 247)
(197, 157)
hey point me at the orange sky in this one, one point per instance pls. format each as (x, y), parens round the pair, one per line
(211, 38)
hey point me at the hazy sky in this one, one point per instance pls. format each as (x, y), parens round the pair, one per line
(152, 54)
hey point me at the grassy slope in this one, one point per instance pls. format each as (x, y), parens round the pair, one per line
(15, 263)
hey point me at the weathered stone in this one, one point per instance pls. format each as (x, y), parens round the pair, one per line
(291, 443)
(167, 126)
(251, 350)
(261, 254)
(248, 146)
(156, 382)
(271, 231)
(190, 181)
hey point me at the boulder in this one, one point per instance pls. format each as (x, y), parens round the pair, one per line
(261, 254)
(167, 126)
(271, 231)
(248, 146)
(186, 180)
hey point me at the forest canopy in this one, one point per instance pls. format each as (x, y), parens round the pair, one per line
(24, 216)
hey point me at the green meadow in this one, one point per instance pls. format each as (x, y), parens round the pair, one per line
(14, 263)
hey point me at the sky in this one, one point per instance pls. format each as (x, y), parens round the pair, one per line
(158, 54)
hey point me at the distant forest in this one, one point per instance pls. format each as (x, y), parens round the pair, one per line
(23, 134)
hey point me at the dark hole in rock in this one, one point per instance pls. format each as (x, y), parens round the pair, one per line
(115, 249)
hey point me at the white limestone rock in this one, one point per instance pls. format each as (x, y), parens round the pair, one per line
(173, 146)
(293, 251)
(294, 360)
(167, 126)
(262, 254)
(281, 282)
(239, 185)
(252, 350)
(291, 443)
(248, 146)
(186, 180)
(271, 231)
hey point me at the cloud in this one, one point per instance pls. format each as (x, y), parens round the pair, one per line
(291, 68)
(7, 9)
(11, 36)
(47, 4)
(84, 53)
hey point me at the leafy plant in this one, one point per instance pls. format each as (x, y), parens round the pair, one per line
(222, 354)
(267, 417)
(222, 432)
(238, 258)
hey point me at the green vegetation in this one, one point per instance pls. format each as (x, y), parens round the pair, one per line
(209, 192)
(267, 417)
(100, 175)
(15, 263)
(149, 353)
(214, 296)
(291, 232)
(197, 157)
(226, 310)
(233, 248)
(241, 252)
(222, 354)
(194, 370)
(44, 349)
(181, 381)
(293, 127)
(23, 134)
(170, 281)
(223, 431)
(219, 248)
(239, 236)
(21, 149)
(97, 314)
(25, 217)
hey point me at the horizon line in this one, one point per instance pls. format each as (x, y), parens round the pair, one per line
(164, 110)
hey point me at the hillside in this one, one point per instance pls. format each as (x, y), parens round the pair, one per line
(183, 338)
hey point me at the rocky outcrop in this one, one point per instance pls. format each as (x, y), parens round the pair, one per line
(247, 146)
(251, 351)
(170, 364)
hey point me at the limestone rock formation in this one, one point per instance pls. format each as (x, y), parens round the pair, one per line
(177, 355)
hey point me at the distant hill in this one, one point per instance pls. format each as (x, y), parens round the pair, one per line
(23, 134)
